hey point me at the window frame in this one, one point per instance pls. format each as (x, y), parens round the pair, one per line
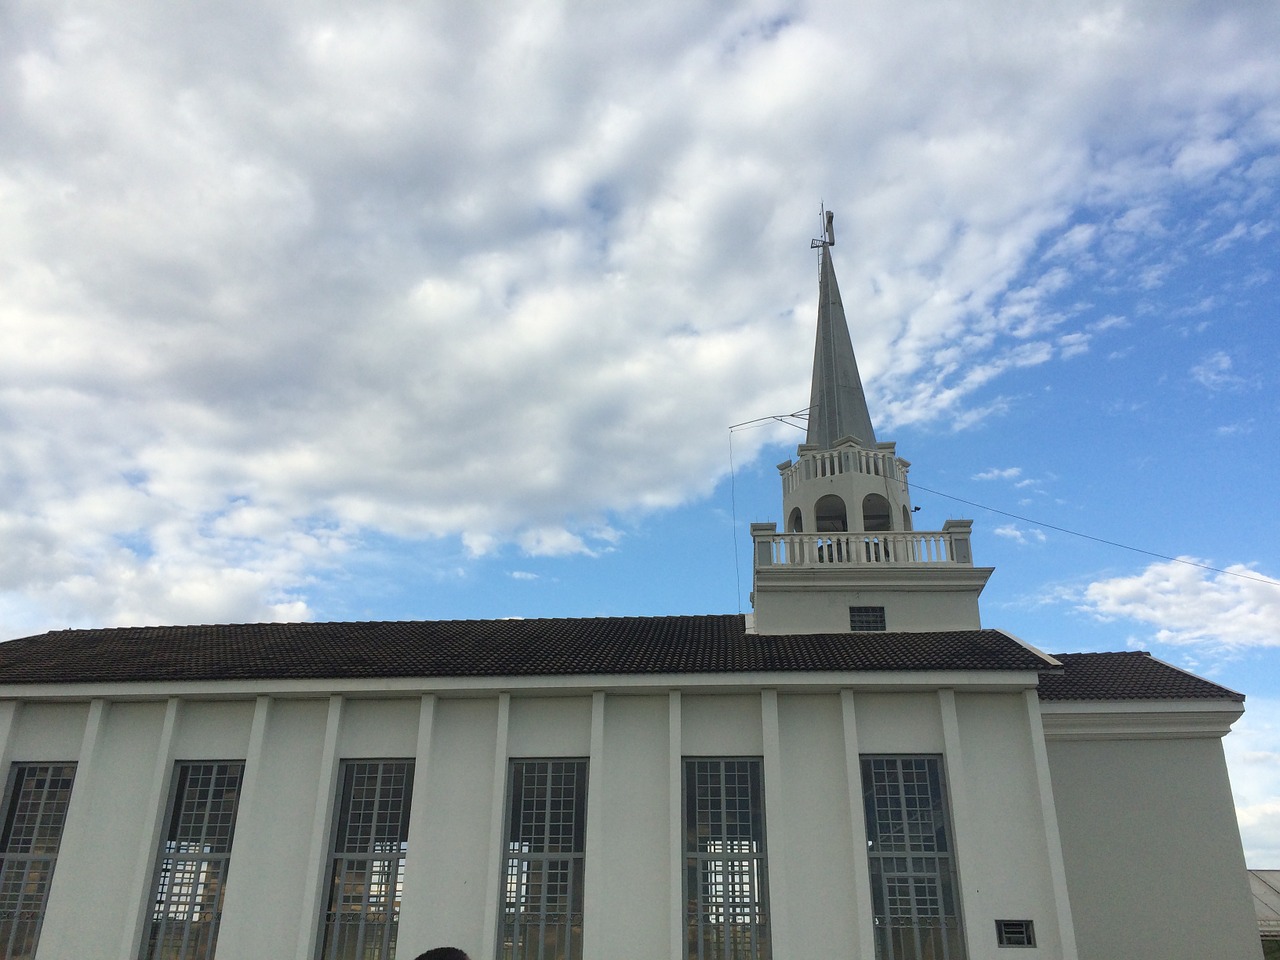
(709, 870)
(171, 894)
(35, 857)
(1015, 933)
(389, 880)
(867, 619)
(547, 877)
(919, 870)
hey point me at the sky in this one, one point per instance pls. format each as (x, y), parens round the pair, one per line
(334, 311)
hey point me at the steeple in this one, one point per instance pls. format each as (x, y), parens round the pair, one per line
(837, 405)
(849, 557)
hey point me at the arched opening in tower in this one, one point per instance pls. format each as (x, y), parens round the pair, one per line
(876, 513)
(829, 514)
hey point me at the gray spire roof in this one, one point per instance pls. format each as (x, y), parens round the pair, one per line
(837, 405)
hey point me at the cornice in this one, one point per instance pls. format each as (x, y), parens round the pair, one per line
(926, 577)
(1139, 720)
(881, 681)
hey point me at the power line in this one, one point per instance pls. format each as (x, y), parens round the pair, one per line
(786, 418)
(733, 496)
(1109, 543)
(803, 415)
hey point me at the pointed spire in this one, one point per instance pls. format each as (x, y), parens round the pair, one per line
(837, 405)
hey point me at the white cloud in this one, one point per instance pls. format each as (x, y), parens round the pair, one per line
(995, 473)
(1215, 372)
(1205, 157)
(1073, 344)
(553, 543)
(1186, 604)
(1235, 429)
(1073, 243)
(1227, 239)
(1011, 531)
(1255, 780)
(280, 275)
(1108, 322)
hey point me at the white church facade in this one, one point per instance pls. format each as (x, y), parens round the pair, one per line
(857, 769)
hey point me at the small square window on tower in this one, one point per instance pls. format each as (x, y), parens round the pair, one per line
(866, 619)
(1015, 933)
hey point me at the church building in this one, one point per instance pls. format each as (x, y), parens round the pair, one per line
(858, 769)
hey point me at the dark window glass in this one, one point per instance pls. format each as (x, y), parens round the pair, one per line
(194, 857)
(726, 876)
(544, 860)
(370, 838)
(866, 619)
(913, 876)
(35, 811)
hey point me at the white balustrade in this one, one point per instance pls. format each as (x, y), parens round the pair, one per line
(896, 549)
(831, 463)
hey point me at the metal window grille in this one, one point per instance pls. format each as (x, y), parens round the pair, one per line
(866, 618)
(1015, 933)
(194, 856)
(35, 812)
(726, 876)
(370, 838)
(913, 875)
(544, 860)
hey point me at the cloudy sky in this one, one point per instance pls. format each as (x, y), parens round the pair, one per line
(433, 310)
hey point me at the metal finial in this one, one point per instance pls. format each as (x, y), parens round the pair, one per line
(828, 218)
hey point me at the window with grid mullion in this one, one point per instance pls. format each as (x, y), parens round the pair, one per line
(913, 878)
(725, 864)
(35, 810)
(193, 861)
(370, 840)
(542, 895)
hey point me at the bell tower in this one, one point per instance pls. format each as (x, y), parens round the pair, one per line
(848, 557)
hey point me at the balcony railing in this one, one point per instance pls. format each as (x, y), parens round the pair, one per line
(915, 548)
(832, 463)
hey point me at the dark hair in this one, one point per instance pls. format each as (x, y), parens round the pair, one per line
(444, 953)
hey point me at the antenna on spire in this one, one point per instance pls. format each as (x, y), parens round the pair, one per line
(828, 219)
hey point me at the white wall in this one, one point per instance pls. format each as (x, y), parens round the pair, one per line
(1152, 850)
(273, 833)
(453, 834)
(108, 845)
(811, 839)
(778, 610)
(630, 792)
(1005, 868)
(809, 741)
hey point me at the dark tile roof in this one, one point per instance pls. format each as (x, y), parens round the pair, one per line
(486, 648)
(1132, 675)
(563, 647)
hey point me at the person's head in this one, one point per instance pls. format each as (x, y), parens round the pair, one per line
(444, 953)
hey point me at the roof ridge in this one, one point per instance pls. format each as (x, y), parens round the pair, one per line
(1188, 673)
(409, 620)
(1106, 653)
